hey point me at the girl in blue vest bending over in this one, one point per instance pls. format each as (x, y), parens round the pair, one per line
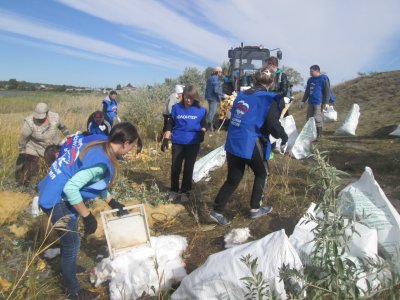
(255, 116)
(187, 125)
(83, 173)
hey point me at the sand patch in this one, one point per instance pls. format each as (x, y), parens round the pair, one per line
(18, 231)
(11, 205)
(163, 213)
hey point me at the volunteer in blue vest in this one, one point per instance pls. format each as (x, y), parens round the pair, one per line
(110, 107)
(79, 139)
(97, 124)
(318, 94)
(255, 116)
(186, 127)
(80, 174)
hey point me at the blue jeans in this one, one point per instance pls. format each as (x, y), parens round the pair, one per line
(212, 109)
(66, 218)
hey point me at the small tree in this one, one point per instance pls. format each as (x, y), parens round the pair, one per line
(12, 84)
(294, 77)
(119, 87)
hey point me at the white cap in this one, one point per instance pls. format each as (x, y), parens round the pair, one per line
(40, 111)
(218, 69)
(178, 89)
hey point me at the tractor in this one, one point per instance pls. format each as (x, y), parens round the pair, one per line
(244, 61)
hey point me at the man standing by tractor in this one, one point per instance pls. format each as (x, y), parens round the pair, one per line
(213, 95)
(281, 83)
(318, 94)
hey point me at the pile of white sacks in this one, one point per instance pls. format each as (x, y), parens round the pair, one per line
(147, 270)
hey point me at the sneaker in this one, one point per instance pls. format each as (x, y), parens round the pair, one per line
(219, 218)
(84, 294)
(172, 196)
(185, 198)
(263, 210)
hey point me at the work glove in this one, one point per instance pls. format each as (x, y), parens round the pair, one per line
(89, 224)
(164, 144)
(116, 205)
(301, 104)
(283, 148)
(326, 107)
(201, 136)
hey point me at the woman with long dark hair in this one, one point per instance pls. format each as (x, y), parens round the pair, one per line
(186, 126)
(80, 174)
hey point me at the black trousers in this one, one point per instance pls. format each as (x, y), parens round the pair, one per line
(180, 153)
(236, 167)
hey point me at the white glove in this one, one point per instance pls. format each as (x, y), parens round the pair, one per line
(226, 96)
(326, 106)
(301, 104)
(287, 100)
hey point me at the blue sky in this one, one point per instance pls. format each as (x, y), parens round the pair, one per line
(100, 43)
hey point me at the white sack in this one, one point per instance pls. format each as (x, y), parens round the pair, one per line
(132, 273)
(51, 253)
(302, 145)
(35, 209)
(236, 237)
(362, 246)
(289, 125)
(349, 125)
(219, 277)
(212, 161)
(365, 197)
(329, 115)
(396, 132)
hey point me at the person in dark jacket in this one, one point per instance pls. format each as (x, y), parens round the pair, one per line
(317, 94)
(186, 126)
(213, 95)
(97, 124)
(255, 116)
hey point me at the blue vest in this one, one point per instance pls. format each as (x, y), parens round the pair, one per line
(248, 115)
(316, 85)
(52, 186)
(78, 141)
(187, 124)
(111, 108)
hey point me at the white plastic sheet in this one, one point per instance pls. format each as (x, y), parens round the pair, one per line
(212, 161)
(329, 115)
(302, 146)
(350, 123)
(366, 200)
(396, 132)
(132, 273)
(219, 277)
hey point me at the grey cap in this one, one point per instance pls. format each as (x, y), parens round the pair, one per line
(40, 111)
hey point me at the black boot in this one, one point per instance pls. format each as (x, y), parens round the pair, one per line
(319, 134)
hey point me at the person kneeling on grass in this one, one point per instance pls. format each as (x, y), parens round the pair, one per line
(255, 116)
(77, 176)
(187, 124)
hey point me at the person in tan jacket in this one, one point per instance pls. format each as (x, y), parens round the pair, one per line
(39, 130)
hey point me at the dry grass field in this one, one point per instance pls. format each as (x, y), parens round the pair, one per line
(145, 178)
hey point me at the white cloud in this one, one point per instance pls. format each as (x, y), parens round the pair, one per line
(341, 36)
(72, 43)
(156, 20)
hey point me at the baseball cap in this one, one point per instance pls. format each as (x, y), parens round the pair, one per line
(40, 111)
